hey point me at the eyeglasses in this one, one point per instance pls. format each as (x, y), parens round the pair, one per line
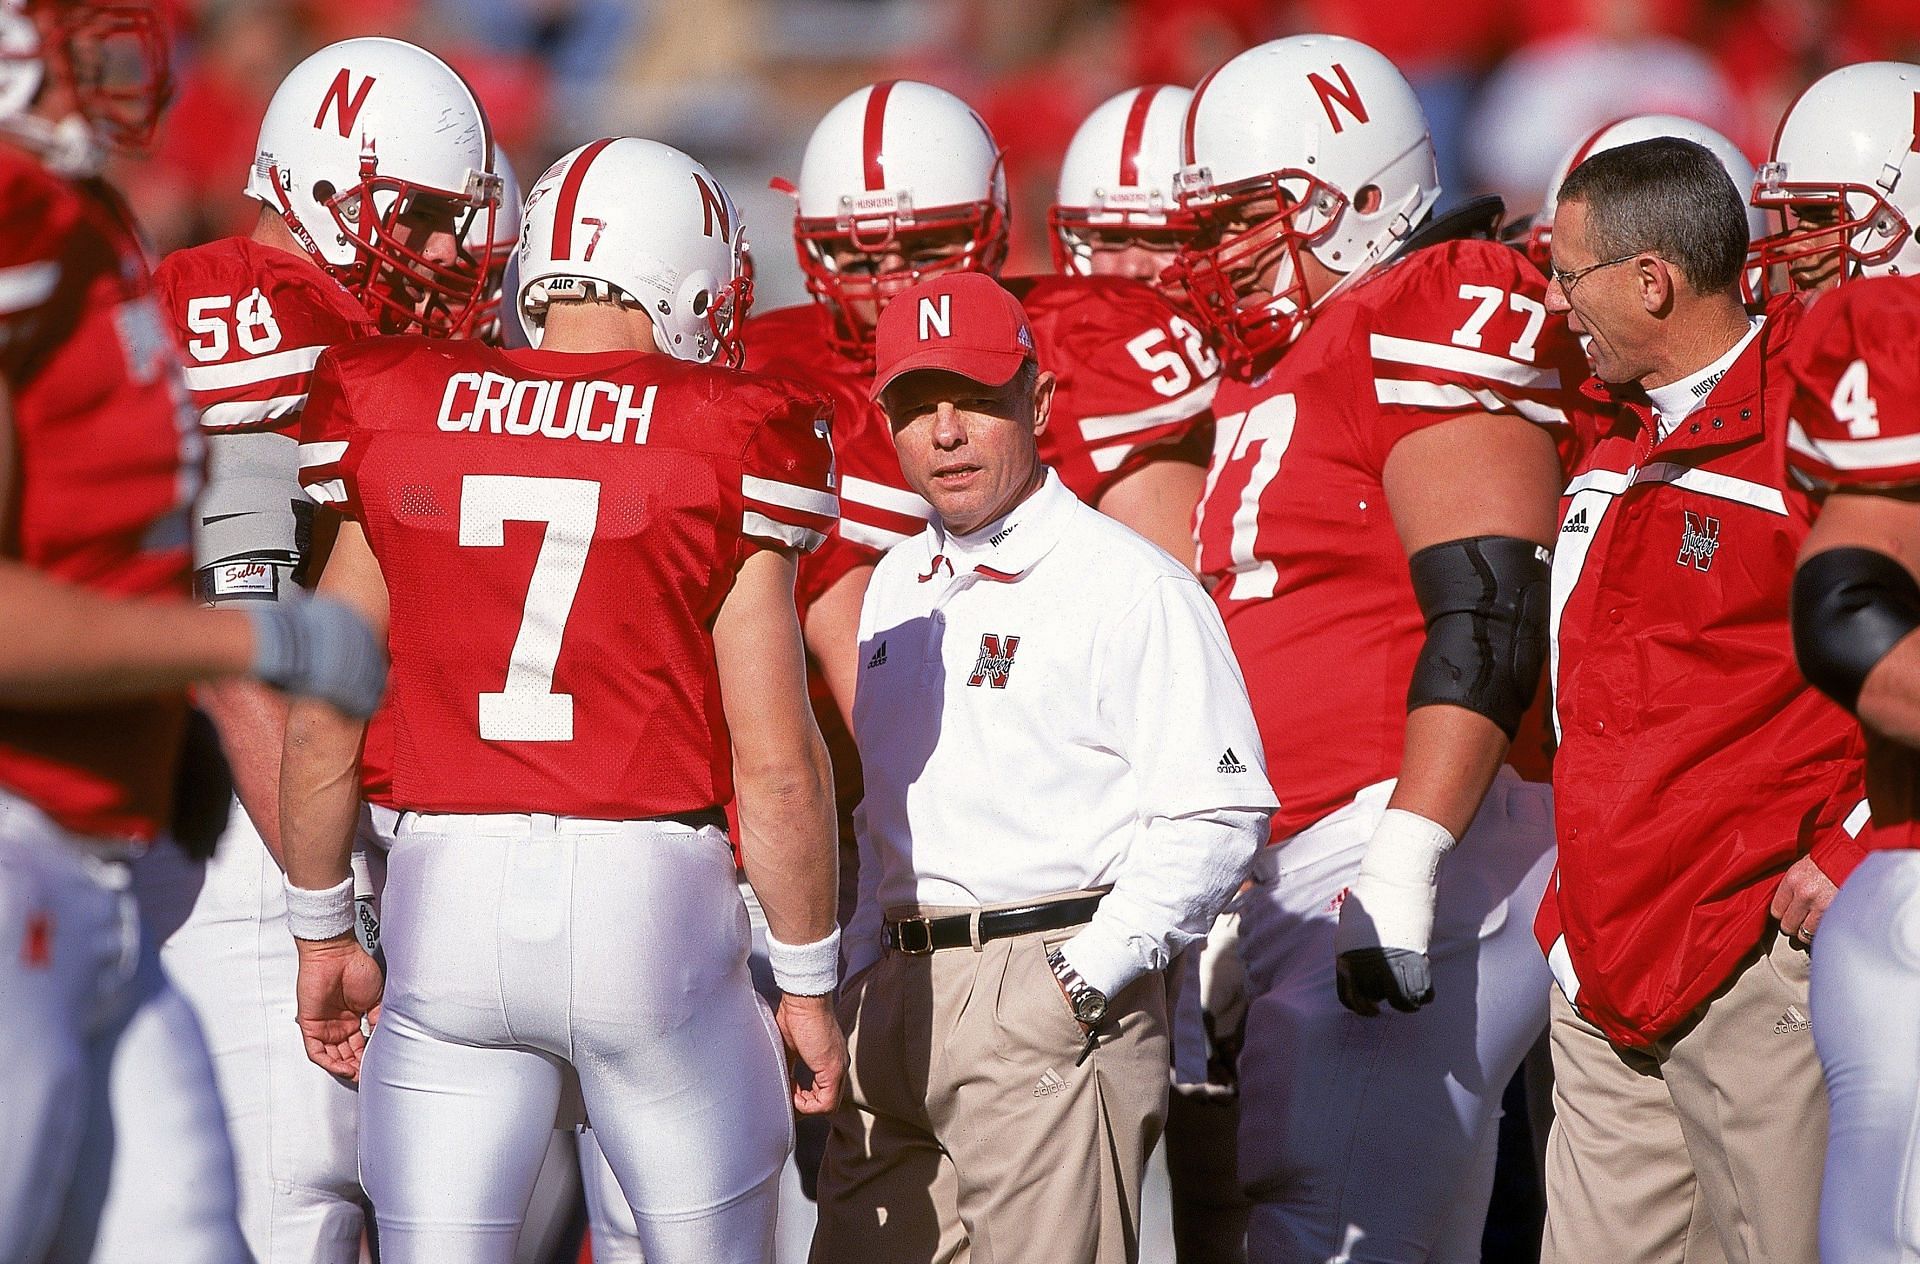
(1567, 280)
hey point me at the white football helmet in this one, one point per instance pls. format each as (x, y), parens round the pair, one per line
(112, 59)
(638, 223)
(363, 144)
(1329, 130)
(1845, 173)
(1117, 177)
(899, 169)
(1626, 131)
(488, 252)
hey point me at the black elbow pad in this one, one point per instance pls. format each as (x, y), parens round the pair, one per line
(1485, 601)
(1850, 607)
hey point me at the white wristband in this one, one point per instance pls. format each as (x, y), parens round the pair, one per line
(806, 969)
(319, 914)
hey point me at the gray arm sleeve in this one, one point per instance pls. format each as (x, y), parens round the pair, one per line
(253, 521)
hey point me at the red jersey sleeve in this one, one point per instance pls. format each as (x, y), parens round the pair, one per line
(331, 446)
(41, 272)
(1856, 409)
(1462, 327)
(251, 321)
(1134, 375)
(787, 477)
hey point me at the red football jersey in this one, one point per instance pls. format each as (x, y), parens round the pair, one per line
(585, 516)
(1295, 536)
(250, 321)
(877, 508)
(1856, 423)
(1134, 376)
(106, 464)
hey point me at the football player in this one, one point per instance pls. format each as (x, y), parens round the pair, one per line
(1856, 436)
(116, 1140)
(1844, 173)
(616, 518)
(1374, 528)
(1114, 212)
(358, 230)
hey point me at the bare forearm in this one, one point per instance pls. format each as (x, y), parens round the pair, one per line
(788, 842)
(319, 794)
(1158, 501)
(252, 721)
(65, 646)
(1890, 698)
(1449, 760)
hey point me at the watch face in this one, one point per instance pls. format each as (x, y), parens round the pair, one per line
(1089, 1006)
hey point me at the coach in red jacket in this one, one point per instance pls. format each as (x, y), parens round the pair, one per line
(1708, 801)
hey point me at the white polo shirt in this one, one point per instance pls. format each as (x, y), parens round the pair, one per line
(1046, 705)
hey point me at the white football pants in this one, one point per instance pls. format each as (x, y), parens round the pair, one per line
(90, 1029)
(1866, 1025)
(227, 949)
(517, 945)
(1373, 1139)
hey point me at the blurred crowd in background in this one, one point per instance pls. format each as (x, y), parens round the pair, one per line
(1509, 85)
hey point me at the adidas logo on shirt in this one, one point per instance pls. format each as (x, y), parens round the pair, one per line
(879, 658)
(1230, 762)
(1791, 1021)
(1576, 523)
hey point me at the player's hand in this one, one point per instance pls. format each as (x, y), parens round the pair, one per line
(1801, 899)
(319, 648)
(339, 985)
(1364, 977)
(814, 1041)
(1369, 967)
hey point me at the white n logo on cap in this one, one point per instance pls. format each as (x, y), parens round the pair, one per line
(936, 317)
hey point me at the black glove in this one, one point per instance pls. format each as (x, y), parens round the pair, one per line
(1366, 976)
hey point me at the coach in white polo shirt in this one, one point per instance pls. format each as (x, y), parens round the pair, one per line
(1063, 785)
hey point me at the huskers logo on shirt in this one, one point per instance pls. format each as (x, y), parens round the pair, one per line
(995, 663)
(1699, 540)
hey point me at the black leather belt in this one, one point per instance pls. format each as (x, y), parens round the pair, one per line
(918, 936)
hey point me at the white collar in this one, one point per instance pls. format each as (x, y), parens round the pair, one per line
(1007, 548)
(1673, 402)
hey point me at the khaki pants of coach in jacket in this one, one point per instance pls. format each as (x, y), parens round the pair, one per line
(968, 1134)
(1706, 1148)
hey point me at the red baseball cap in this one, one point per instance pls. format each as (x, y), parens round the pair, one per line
(963, 322)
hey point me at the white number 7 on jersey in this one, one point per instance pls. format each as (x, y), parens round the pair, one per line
(527, 709)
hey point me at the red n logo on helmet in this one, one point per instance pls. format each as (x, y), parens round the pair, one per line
(713, 206)
(346, 109)
(1346, 94)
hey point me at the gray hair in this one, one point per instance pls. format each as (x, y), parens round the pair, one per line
(1669, 197)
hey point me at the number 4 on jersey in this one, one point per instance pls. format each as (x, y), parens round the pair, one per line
(527, 709)
(1852, 403)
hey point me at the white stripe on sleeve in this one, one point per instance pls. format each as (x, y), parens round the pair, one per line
(1113, 425)
(789, 496)
(27, 285)
(1434, 355)
(751, 523)
(250, 412)
(312, 454)
(218, 377)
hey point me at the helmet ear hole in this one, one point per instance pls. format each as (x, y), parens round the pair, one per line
(701, 302)
(323, 190)
(1368, 199)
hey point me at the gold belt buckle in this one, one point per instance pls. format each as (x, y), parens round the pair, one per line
(913, 945)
